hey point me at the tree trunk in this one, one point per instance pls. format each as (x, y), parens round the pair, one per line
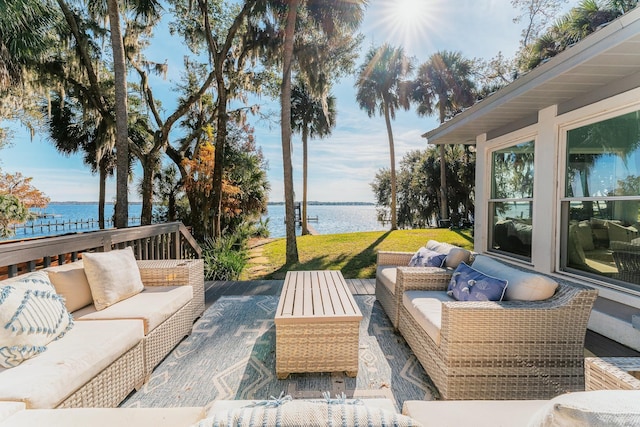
(122, 137)
(392, 157)
(171, 208)
(444, 209)
(305, 137)
(102, 168)
(218, 166)
(149, 166)
(285, 103)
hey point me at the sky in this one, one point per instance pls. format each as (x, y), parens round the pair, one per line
(342, 165)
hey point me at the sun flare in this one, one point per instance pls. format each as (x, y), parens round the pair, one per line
(410, 12)
(407, 22)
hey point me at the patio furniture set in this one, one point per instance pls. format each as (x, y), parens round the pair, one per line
(513, 355)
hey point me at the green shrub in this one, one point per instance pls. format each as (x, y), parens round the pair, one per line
(225, 257)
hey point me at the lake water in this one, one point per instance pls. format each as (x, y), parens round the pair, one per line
(331, 219)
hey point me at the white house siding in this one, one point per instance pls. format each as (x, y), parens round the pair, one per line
(549, 136)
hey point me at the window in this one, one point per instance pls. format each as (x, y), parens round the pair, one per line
(601, 230)
(511, 202)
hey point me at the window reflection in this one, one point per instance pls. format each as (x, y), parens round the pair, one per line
(601, 206)
(511, 203)
(512, 227)
(603, 159)
(601, 240)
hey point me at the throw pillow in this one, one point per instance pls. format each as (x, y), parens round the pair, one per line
(427, 258)
(590, 408)
(296, 413)
(523, 286)
(71, 283)
(456, 256)
(468, 284)
(113, 276)
(31, 316)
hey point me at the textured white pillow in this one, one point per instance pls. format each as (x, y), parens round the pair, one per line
(523, 286)
(306, 413)
(31, 316)
(456, 256)
(441, 247)
(590, 408)
(113, 276)
(71, 283)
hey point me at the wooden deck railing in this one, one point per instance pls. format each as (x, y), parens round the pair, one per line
(160, 241)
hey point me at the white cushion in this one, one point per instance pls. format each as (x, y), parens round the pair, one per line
(107, 417)
(476, 413)
(620, 233)
(426, 309)
(9, 408)
(455, 254)
(523, 286)
(585, 236)
(591, 408)
(71, 283)
(387, 274)
(31, 316)
(69, 363)
(113, 276)
(441, 247)
(153, 306)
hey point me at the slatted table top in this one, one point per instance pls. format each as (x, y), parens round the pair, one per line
(316, 296)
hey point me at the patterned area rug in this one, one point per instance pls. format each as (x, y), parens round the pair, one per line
(231, 355)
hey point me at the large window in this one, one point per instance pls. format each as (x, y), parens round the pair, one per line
(511, 202)
(601, 228)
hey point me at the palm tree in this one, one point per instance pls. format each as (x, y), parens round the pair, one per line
(382, 88)
(333, 18)
(122, 136)
(444, 85)
(73, 128)
(312, 119)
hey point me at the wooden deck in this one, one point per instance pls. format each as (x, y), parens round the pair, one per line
(595, 344)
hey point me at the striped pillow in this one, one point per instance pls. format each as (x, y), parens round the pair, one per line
(308, 413)
(31, 316)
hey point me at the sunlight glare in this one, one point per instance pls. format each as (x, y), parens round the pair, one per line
(408, 21)
(410, 12)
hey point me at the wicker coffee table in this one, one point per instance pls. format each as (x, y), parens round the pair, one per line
(317, 324)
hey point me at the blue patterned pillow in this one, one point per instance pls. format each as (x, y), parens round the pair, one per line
(427, 258)
(31, 316)
(468, 284)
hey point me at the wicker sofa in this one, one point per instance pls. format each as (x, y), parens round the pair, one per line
(394, 276)
(110, 352)
(499, 350)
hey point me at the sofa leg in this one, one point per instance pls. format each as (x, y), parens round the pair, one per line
(143, 381)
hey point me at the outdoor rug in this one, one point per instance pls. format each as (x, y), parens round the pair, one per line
(231, 355)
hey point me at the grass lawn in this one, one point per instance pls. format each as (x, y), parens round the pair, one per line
(352, 253)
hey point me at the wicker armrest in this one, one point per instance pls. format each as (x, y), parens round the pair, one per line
(561, 318)
(422, 278)
(164, 273)
(394, 258)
